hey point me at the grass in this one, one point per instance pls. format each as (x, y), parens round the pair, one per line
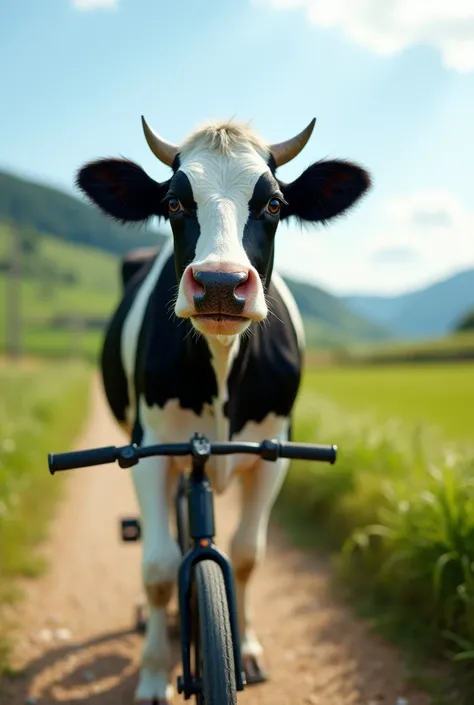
(40, 341)
(397, 509)
(41, 408)
(441, 395)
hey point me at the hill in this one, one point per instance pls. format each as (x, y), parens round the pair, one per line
(429, 312)
(466, 323)
(328, 321)
(32, 206)
(67, 291)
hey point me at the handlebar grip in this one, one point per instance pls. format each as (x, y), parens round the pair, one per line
(308, 451)
(81, 458)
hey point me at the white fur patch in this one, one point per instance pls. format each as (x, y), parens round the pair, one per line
(133, 322)
(222, 188)
(291, 307)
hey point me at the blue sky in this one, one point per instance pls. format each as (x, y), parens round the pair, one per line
(391, 85)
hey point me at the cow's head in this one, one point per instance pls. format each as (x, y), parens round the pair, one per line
(224, 202)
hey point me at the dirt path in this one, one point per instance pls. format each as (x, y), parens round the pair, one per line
(317, 652)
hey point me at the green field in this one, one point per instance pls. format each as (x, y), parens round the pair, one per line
(61, 279)
(95, 273)
(42, 407)
(440, 395)
(450, 348)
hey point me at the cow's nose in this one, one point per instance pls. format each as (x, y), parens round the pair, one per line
(220, 292)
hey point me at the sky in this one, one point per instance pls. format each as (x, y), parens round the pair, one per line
(391, 84)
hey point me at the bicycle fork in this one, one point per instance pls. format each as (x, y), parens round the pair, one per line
(201, 522)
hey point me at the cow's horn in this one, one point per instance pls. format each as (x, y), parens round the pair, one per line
(164, 151)
(284, 152)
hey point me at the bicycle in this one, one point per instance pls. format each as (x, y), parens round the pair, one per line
(206, 592)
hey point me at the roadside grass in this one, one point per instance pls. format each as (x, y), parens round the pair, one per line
(397, 513)
(42, 406)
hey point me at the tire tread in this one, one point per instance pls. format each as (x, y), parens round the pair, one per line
(218, 667)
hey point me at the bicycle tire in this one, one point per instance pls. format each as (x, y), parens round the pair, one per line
(213, 648)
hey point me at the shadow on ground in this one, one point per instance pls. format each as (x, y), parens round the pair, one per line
(101, 671)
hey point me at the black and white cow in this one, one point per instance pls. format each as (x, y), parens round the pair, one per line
(208, 338)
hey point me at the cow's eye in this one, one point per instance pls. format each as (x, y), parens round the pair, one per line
(273, 206)
(174, 206)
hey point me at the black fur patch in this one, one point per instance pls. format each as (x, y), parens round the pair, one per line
(113, 373)
(185, 225)
(324, 190)
(260, 229)
(172, 363)
(265, 376)
(122, 190)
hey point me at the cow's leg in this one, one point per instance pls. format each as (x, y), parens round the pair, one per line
(260, 487)
(161, 558)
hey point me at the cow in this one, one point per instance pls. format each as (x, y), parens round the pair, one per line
(207, 338)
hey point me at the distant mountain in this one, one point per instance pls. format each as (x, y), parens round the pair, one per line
(328, 319)
(428, 312)
(41, 211)
(47, 210)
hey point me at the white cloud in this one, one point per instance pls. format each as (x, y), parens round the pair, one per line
(389, 26)
(433, 226)
(298, 251)
(396, 254)
(94, 4)
(410, 242)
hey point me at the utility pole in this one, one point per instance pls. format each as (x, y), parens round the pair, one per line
(13, 298)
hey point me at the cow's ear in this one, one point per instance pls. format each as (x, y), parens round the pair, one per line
(121, 189)
(326, 189)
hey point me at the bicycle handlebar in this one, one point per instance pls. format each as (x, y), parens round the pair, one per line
(198, 447)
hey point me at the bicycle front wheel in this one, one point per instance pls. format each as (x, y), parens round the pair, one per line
(214, 656)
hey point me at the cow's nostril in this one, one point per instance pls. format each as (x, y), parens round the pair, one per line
(192, 284)
(197, 276)
(243, 277)
(242, 287)
(197, 284)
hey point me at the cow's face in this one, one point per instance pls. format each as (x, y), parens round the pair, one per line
(224, 203)
(224, 210)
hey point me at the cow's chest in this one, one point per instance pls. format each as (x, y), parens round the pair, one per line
(174, 424)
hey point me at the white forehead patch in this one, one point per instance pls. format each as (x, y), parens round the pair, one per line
(215, 175)
(222, 186)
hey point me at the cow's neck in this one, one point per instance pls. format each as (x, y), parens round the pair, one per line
(223, 354)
